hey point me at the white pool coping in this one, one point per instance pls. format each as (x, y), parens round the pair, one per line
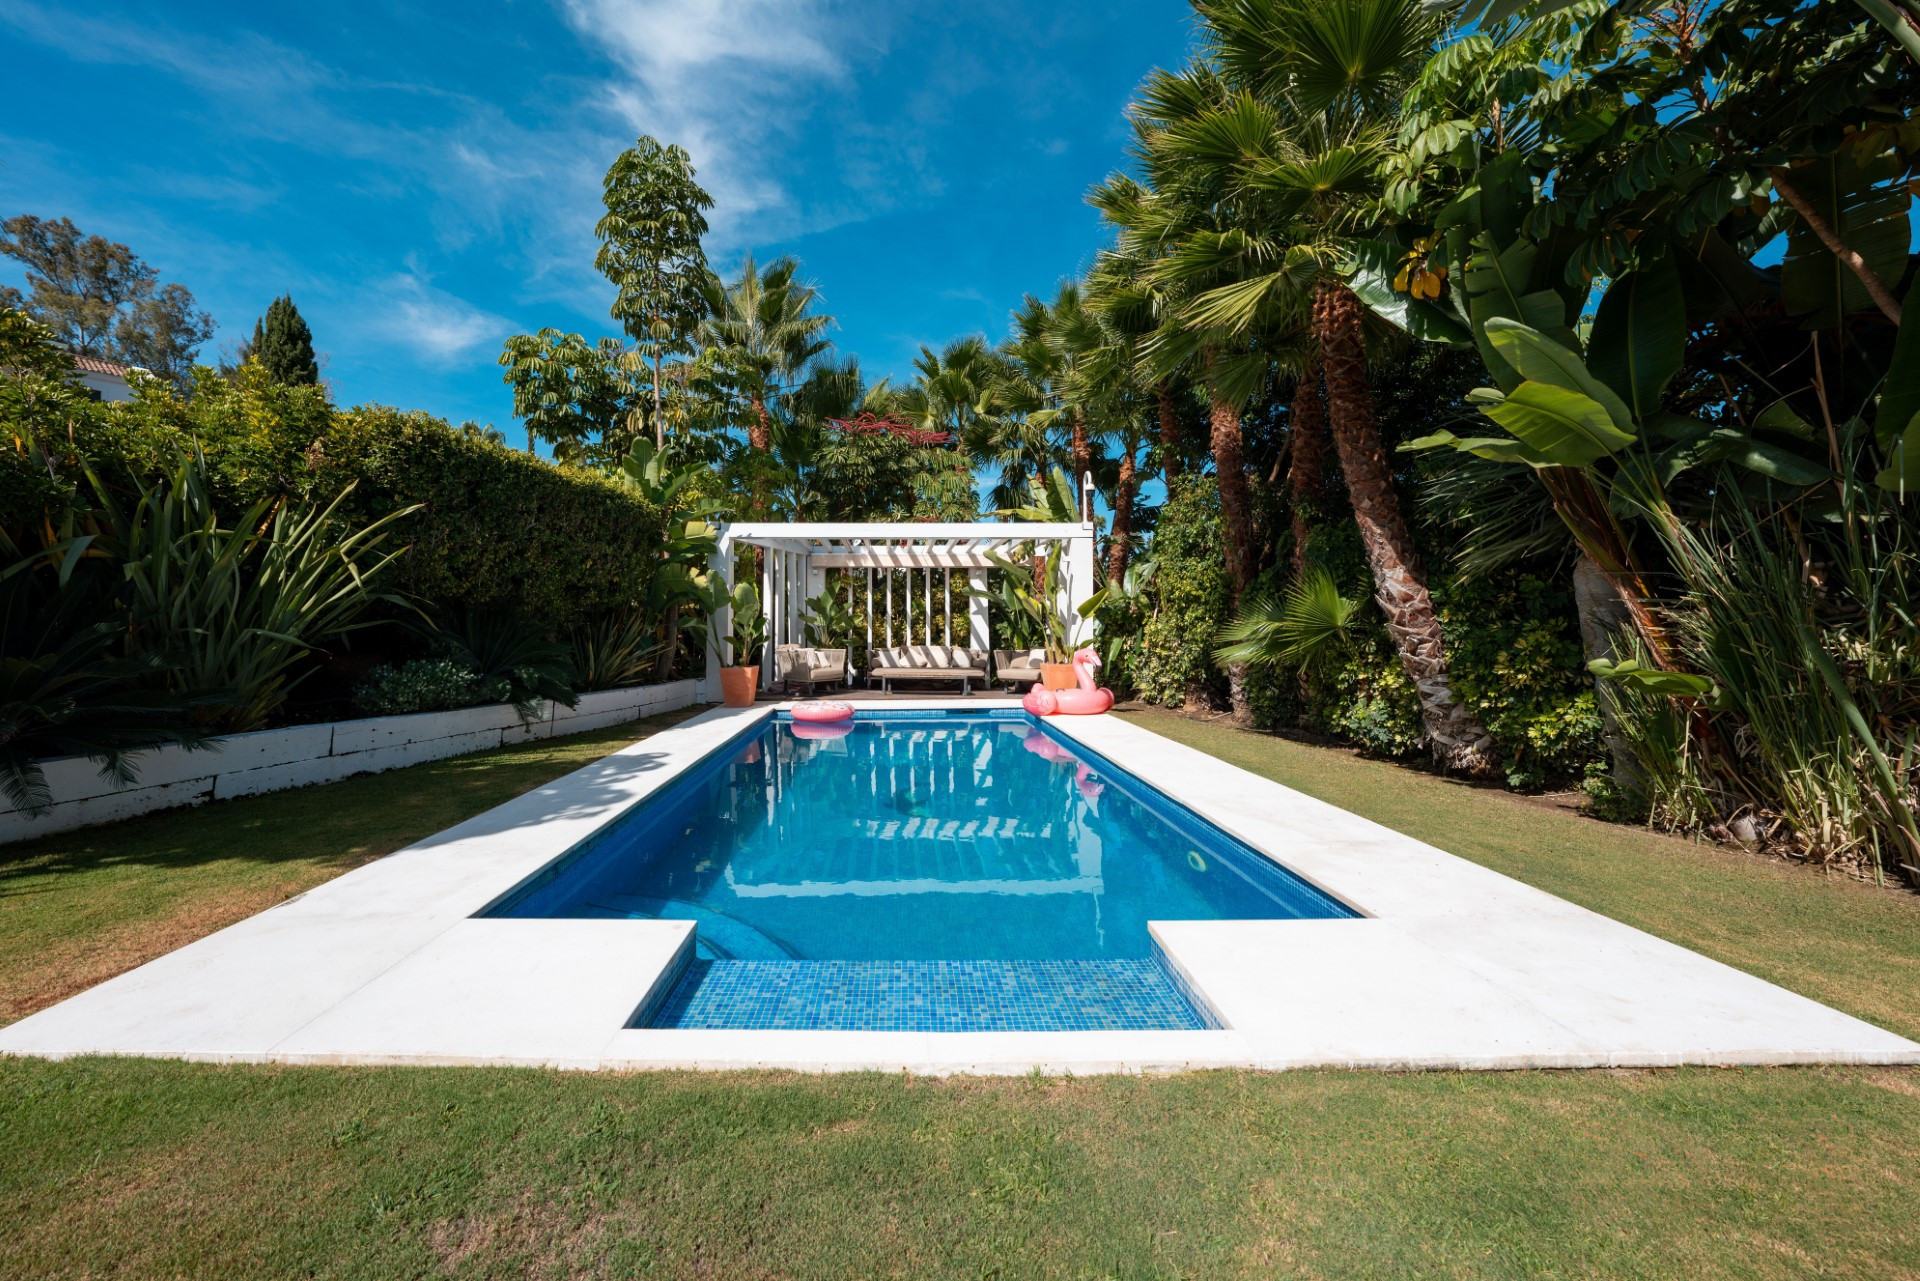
(1451, 966)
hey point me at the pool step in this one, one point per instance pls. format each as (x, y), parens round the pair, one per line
(928, 996)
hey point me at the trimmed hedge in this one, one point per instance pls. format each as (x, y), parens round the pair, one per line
(500, 529)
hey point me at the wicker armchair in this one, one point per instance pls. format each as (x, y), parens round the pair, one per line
(795, 665)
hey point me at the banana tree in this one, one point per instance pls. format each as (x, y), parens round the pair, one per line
(687, 538)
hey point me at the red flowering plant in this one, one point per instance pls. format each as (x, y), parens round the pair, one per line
(870, 424)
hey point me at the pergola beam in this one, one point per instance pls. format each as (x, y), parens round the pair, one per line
(902, 558)
(766, 533)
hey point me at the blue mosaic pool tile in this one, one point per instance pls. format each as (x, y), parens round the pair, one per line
(929, 996)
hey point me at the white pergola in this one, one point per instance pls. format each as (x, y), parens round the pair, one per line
(798, 554)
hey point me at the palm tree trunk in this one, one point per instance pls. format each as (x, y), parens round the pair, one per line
(1603, 614)
(1307, 466)
(659, 421)
(1171, 464)
(1122, 520)
(1459, 742)
(760, 431)
(1082, 455)
(1236, 526)
(670, 645)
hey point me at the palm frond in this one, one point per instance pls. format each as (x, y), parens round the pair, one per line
(1308, 625)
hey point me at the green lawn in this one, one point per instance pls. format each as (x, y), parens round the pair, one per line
(83, 906)
(138, 1168)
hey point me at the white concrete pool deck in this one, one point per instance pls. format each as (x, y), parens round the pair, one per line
(1454, 966)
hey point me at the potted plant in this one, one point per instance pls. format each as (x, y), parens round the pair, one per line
(1033, 589)
(738, 648)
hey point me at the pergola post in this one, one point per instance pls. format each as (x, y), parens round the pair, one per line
(1076, 587)
(979, 625)
(769, 613)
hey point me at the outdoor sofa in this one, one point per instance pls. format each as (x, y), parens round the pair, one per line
(1018, 666)
(804, 665)
(929, 663)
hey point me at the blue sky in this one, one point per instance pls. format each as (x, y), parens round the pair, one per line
(423, 178)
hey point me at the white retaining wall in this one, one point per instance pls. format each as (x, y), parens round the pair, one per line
(271, 759)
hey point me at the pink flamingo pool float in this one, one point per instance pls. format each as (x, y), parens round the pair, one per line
(1046, 749)
(1087, 700)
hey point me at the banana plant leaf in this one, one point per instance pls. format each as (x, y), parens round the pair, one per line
(1639, 338)
(1541, 359)
(1565, 427)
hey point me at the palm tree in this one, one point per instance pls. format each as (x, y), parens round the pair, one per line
(1121, 288)
(766, 332)
(1296, 133)
(1307, 461)
(1078, 342)
(1013, 428)
(1185, 217)
(947, 386)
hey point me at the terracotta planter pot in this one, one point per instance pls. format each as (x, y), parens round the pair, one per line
(737, 685)
(1058, 676)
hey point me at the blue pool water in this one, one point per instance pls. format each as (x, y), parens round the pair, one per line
(964, 871)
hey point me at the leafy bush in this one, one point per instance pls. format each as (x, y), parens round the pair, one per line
(615, 650)
(500, 530)
(419, 685)
(493, 528)
(513, 659)
(1173, 663)
(243, 599)
(1513, 650)
(67, 685)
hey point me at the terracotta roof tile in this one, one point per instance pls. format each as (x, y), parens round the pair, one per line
(95, 365)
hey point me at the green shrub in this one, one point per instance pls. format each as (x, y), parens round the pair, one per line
(1174, 659)
(497, 529)
(1514, 656)
(616, 650)
(419, 685)
(515, 659)
(501, 530)
(1513, 651)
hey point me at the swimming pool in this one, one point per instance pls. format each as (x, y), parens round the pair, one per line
(924, 870)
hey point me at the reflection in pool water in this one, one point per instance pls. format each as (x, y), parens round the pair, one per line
(952, 837)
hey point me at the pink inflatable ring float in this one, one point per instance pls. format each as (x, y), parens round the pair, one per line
(822, 713)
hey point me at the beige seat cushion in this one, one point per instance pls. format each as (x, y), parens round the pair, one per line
(1023, 660)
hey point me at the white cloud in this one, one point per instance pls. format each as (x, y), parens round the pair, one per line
(726, 79)
(441, 327)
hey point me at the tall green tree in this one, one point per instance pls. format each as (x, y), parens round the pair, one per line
(650, 248)
(100, 299)
(765, 332)
(575, 395)
(947, 385)
(1021, 403)
(1285, 130)
(283, 345)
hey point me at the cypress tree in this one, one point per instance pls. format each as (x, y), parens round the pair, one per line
(284, 345)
